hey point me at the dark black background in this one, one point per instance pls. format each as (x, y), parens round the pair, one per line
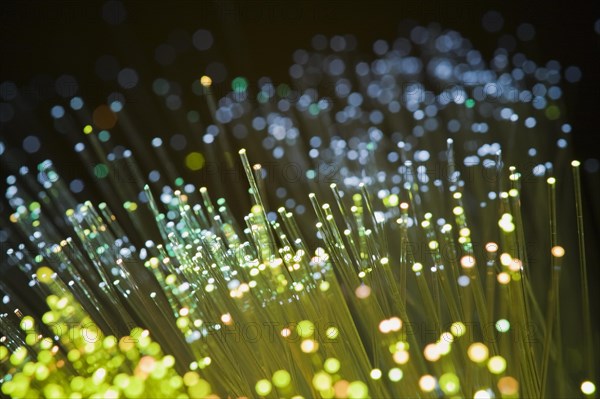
(257, 38)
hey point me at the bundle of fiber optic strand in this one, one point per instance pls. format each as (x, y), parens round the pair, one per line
(409, 232)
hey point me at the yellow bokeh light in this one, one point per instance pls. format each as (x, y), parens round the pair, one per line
(503, 278)
(558, 251)
(432, 352)
(427, 383)
(205, 81)
(588, 387)
(478, 352)
(194, 161)
(497, 364)
(467, 261)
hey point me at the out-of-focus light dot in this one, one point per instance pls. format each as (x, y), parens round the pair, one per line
(427, 383)
(375, 374)
(588, 387)
(357, 389)
(305, 328)
(202, 39)
(458, 329)
(44, 274)
(557, 251)
(554, 92)
(239, 84)
(315, 141)
(101, 170)
(503, 325)
(160, 86)
(496, 364)
(431, 352)
(104, 118)
(127, 78)
(530, 122)
(573, 74)
(309, 346)
(31, 144)
(508, 386)
(395, 323)
(380, 47)
(467, 261)
(321, 381)
(2, 148)
(401, 357)
(76, 103)
(157, 142)
(332, 333)
(419, 34)
(482, 394)
(263, 387)
(363, 291)
(503, 278)
(281, 378)
(552, 112)
(395, 374)
(115, 96)
(464, 281)
(532, 152)
(116, 106)
(104, 136)
(332, 365)
(205, 81)
(478, 352)
(491, 247)
(449, 383)
(57, 112)
(337, 43)
(76, 186)
(286, 332)
(566, 128)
